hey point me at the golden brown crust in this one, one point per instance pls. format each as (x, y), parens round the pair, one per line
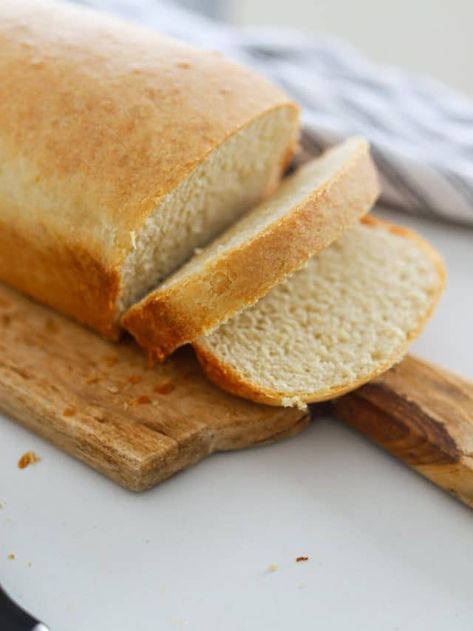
(64, 277)
(98, 121)
(232, 381)
(186, 310)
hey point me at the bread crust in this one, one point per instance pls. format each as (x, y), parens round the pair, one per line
(98, 121)
(230, 380)
(175, 315)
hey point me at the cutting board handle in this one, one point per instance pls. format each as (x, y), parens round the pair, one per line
(423, 415)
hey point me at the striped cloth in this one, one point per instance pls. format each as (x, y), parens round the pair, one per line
(421, 131)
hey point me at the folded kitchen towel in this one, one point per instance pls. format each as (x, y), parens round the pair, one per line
(421, 131)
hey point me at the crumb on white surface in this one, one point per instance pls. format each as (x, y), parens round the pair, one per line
(29, 457)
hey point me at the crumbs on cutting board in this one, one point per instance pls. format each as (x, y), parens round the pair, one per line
(110, 360)
(165, 387)
(302, 559)
(30, 457)
(92, 379)
(51, 326)
(11, 557)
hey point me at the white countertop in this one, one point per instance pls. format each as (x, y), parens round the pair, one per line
(388, 550)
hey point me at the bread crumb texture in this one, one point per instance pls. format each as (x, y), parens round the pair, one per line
(311, 209)
(296, 189)
(226, 184)
(333, 325)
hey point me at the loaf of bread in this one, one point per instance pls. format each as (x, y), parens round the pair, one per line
(331, 327)
(311, 208)
(121, 152)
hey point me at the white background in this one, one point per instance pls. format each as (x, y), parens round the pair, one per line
(388, 550)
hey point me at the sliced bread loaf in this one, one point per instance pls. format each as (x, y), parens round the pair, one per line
(122, 151)
(348, 316)
(312, 208)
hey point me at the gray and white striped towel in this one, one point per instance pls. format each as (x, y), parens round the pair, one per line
(421, 132)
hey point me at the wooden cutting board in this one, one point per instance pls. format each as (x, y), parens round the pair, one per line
(102, 404)
(422, 414)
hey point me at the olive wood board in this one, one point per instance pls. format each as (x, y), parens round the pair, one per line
(103, 404)
(421, 414)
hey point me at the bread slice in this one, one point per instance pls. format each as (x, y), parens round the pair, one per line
(347, 317)
(122, 151)
(312, 208)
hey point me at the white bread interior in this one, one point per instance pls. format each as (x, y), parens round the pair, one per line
(234, 177)
(349, 315)
(311, 208)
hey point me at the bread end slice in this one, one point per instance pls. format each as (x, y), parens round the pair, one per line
(346, 318)
(311, 209)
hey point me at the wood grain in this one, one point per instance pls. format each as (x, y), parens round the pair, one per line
(423, 415)
(101, 403)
